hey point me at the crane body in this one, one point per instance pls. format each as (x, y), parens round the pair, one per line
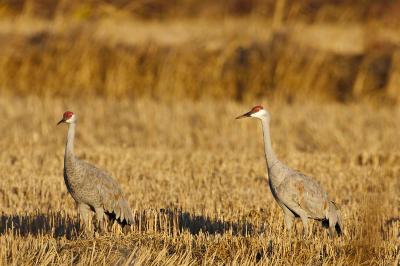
(297, 194)
(94, 190)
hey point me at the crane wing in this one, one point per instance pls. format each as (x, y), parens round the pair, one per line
(113, 199)
(298, 191)
(109, 194)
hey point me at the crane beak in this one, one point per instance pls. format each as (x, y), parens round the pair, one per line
(248, 114)
(61, 121)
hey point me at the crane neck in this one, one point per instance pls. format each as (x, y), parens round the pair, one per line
(69, 146)
(269, 153)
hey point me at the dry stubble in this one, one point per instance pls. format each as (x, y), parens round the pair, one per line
(196, 180)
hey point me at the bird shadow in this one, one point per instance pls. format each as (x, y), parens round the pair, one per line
(389, 223)
(195, 224)
(59, 224)
(56, 224)
(392, 220)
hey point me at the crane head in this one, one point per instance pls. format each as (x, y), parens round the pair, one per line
(257, 111)
(68, 117)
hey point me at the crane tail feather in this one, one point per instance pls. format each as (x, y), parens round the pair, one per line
(121, 213)
(338, 229)
(335, 219)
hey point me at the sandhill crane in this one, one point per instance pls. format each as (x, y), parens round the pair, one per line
(297, 194)
(92, 189)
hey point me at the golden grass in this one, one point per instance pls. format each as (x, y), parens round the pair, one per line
(237, 58)
(308, 11)
(196, 180)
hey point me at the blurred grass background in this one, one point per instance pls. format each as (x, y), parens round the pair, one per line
(156, 85)
(244, 50)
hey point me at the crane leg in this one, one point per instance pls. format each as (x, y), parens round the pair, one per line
(100, 218)
(304, 220)
(289, 218)
(85, 213)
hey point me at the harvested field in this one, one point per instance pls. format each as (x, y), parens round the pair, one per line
(197, 182)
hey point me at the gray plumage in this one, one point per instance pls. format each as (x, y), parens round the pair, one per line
(93, 189)
(297, 194)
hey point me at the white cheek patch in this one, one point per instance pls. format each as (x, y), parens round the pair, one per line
(69, 119)
(259, 114)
